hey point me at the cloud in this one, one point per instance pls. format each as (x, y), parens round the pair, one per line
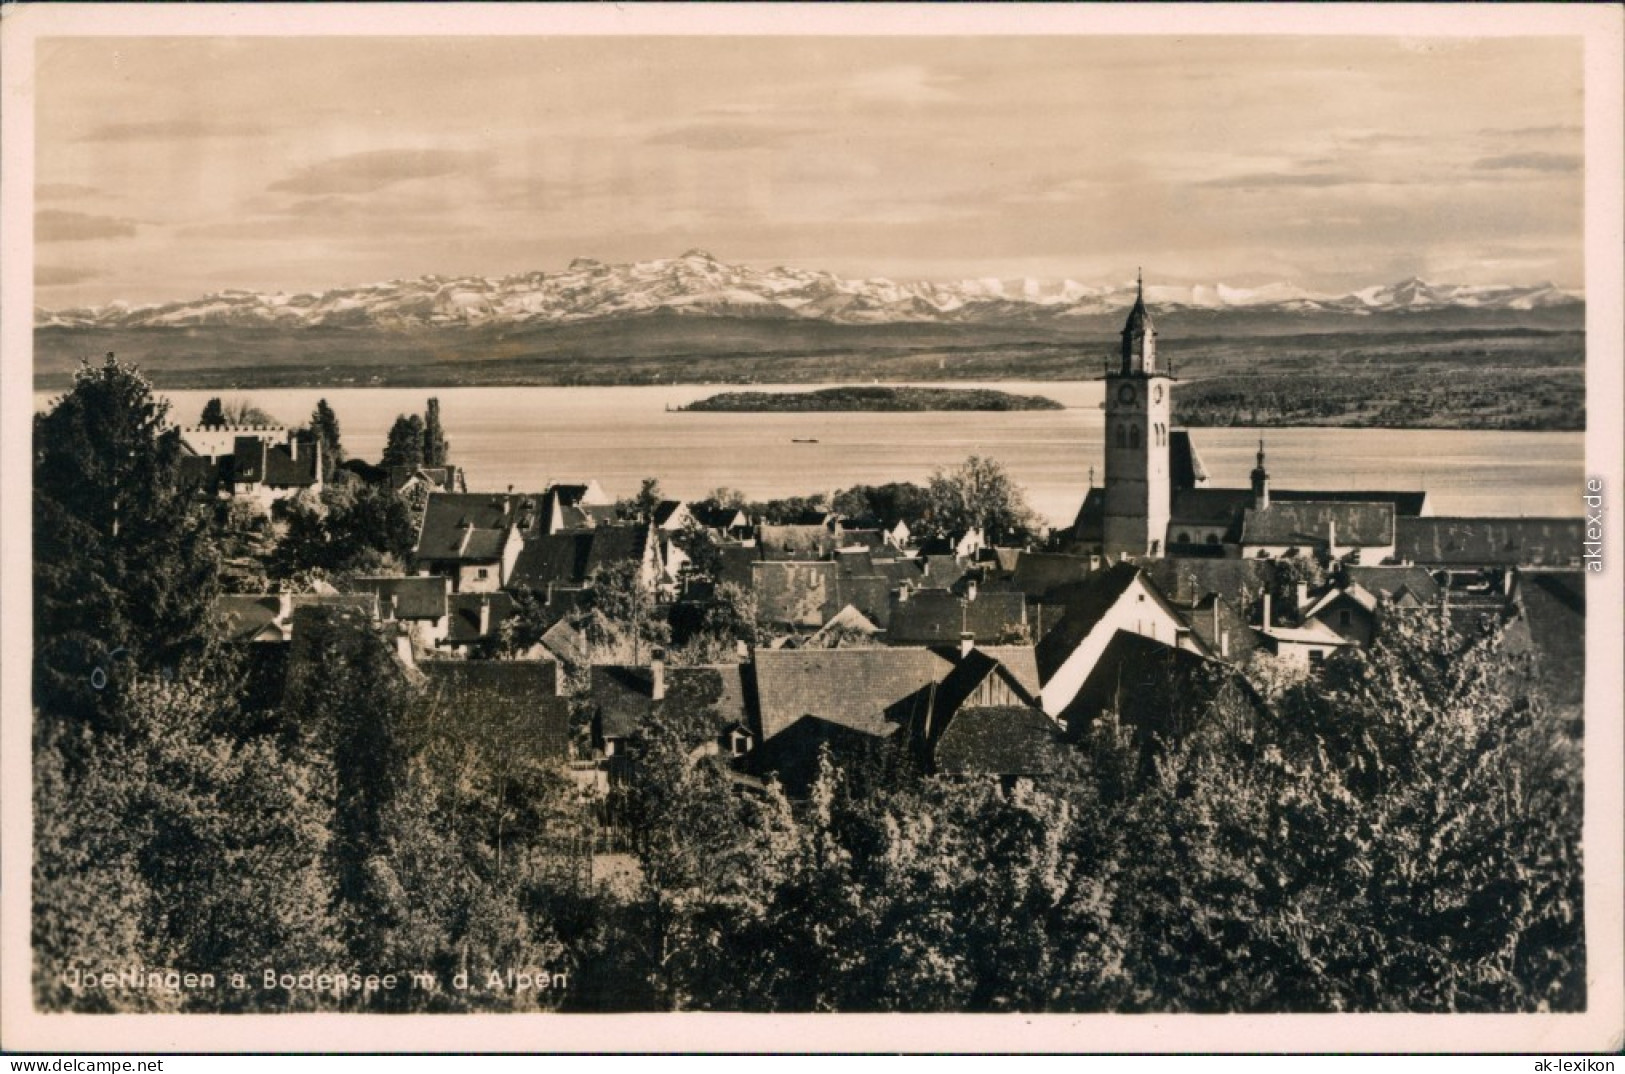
(1261, 180)
(725, 136)
(160, 129)
(65, 192)
(1531, 162)
(361, 173)
(62, 225)
(61, 275)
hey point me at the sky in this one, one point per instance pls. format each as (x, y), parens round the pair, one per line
(167, 168)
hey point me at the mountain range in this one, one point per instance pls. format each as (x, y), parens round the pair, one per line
(697, 285)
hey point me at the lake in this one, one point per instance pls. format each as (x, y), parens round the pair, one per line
(529, 437)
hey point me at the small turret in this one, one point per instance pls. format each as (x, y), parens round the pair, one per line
(1139, 334)
(1261, 481)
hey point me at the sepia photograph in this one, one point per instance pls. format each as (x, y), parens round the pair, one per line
(556, 511)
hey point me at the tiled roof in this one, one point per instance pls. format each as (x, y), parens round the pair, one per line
(937, 616)
(1238, 581)
(1087, 604)
(1207, 507)
(623, 695)
(248, 459)
(1405, 504)
(566, 559)
(972, 670)
(464, 608)
(1311, 522)
(1148, 684)
(1185, 469)
(719, 518)
(867, 690)
(466, 526)
(1354, 592)
(736, 563)
(1088, 526)
(665, 509)
(796, 542)
(1037, 573)
(941, 571)
(997, 741)
(1554, 607)
(415, 597)
(1232, 639)
(513, 705)
(792, 593)
(249, 617)
(1530, 542)
(285, 471)
(1386, 582)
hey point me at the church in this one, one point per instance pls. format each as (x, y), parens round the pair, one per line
(1156, 501)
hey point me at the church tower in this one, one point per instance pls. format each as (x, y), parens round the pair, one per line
(1139, 407)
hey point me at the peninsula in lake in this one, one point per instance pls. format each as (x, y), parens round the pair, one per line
(874, 397)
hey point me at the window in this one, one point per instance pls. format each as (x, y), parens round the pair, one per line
(1317, 657)
(1213, 538)
(1343, 617)
(1184, 537)
(482, 574)
(1133, 436)
(1122, 436)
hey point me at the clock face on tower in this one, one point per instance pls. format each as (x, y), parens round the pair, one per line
(1125, 394)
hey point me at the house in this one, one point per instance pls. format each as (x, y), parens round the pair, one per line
(982, 721)
(556, 566)
(474, 538)
(1120, 597)
(862, 702)
(793, 595)
(673, 516)
(269, 617)
(799, 542)
(1403, 587)
(411, 480)
(475, 619)
(1550, 630)
(727, 523)
(1465, 543)
(1306, 645)
(509, 709)
(419, 603)
(1364, 532)
(260, 463)
(941, 617)
(707, 701)
(1157, 691)
(1348, 610)
(1220, 626)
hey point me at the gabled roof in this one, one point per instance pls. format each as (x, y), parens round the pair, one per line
(1306, 522)
(1529, 542)
(1087, 603)
(796, 542)
(941, 571)
(466, 526)
(1389, 582)
(997, 741)
(566, 559)
(1037, 573)
(1185, 469)
(1354, 592)
(973, 669)
(794, 593)
(1149, 684)
(248, 459)
(1405, 504)
(415, 597)
(624, 696)
(464, 610)
(1239, 581)
(1088, 526)
(1312, 632)
(510, 705)
(719, 518)
(868, 690)
(665, 510)
(241, 618)
(1554, 607)
(937, 616)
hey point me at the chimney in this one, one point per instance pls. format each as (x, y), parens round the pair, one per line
(485, 615)
(902, 593)
(284, 607)
(1266, 611)
(293, 444)
(970, 591)
(390, 606)
(1224, 645)
(1303, 597)
(967, 642)
(1216, 626)
(1331, 538)
(657, 675)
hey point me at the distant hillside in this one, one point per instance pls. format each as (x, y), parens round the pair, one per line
(866, 397)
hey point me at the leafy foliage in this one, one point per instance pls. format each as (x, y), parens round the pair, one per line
(405, 444)
(980, 494)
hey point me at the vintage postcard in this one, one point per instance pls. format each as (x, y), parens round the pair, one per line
(554, 528)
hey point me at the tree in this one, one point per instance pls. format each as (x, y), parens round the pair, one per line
(213, 413)
(243, 412)
(405, 444)
(642, 507)
(125, 569)
(324, 427)
(979, 494)
(627, 610)
(436, 451)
